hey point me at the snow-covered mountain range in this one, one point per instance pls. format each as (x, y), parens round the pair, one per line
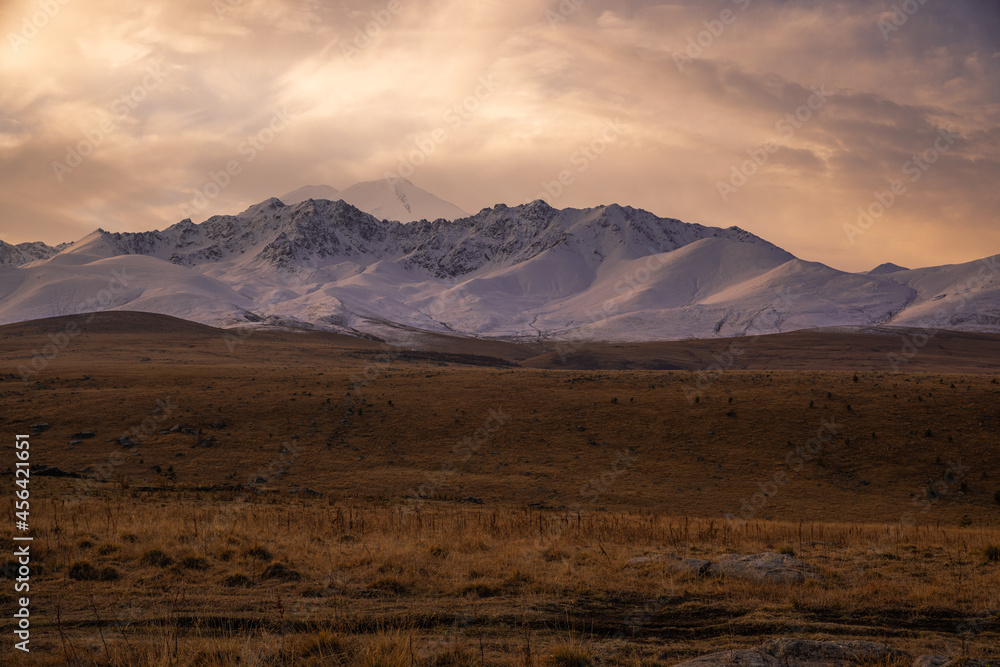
(522, 273)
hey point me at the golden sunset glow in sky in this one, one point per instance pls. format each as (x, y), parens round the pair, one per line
(784, 118)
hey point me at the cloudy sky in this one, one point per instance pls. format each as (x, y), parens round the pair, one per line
(784, 118)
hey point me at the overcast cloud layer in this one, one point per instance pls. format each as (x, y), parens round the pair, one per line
(118, 116)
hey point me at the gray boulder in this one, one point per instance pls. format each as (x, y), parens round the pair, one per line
(695, 566)
(766, 567)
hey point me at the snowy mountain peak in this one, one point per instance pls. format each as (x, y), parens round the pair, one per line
(393, 198)
(265, 206)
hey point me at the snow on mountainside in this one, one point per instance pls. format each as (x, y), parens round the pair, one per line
(22, 253)
(130, 282)
(957, 296)
(522, 272)
(388, 199)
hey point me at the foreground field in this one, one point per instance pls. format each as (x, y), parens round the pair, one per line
(215, 498)
(131, 578)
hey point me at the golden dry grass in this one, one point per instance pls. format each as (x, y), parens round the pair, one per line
(223, 554)
(349, 582)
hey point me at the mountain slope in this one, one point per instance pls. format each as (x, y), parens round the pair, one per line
(122, 282)
(23, 253)
(963, 297)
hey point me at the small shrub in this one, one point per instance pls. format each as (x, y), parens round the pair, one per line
(156, 558)
(996, 496)
(85, 544)
(109, 573)
(516, 580)
(787, 549)
(193, 563)
(480, 590)
(131, 538)
(106, 549)
(391, 585)
(313, 592)
(454, 657)
(84, 570)
(324, 645)
(438, 551)
(386, 650)
(237, 580)
(281, 571)
(991, 552)
(257, 552)
(567, 655)
(553, 554)
(965, 521)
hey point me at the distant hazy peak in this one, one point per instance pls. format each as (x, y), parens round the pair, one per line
(393, 198)
(887, 267)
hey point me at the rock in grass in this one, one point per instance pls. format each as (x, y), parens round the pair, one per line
(788, 652)
(765, 567)
(695, 566)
